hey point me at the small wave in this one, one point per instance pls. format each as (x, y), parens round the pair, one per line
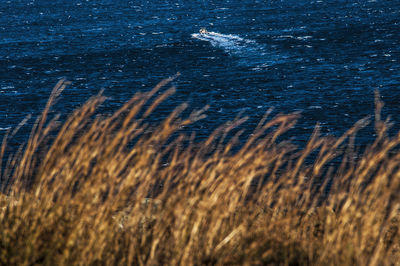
(302, 38)
(7, 87)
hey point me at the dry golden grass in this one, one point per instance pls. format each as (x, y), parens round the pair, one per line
(117, 190)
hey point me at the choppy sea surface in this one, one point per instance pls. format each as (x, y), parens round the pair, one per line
(322, 58)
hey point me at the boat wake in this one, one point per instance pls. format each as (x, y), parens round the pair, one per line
(250, 52)
(229, 42)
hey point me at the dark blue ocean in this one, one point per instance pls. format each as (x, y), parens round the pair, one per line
(321, 58)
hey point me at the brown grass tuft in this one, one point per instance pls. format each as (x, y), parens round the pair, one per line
(117, 190)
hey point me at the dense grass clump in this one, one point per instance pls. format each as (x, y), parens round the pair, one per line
(117, 190)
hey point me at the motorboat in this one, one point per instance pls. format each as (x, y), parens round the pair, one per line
(203, 31)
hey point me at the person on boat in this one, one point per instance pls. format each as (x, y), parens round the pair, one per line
(203, 31)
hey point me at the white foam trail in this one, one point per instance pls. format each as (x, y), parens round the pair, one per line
(229, 42)
(220, 37)
(249, 52)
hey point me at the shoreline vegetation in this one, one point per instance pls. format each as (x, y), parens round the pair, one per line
(116, 190)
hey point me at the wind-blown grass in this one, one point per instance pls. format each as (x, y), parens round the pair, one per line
(117, 190)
